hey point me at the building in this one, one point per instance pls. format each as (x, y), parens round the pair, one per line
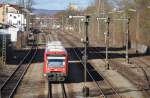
(12, 15)
(6, 8)
(14, 18)
(17, 20)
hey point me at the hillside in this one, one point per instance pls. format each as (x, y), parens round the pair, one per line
(45, 12)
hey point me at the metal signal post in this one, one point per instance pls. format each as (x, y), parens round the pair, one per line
(107, 20)
(107, 41)
(85, 58)
(127, 41)
(127, 20)
(86, 41)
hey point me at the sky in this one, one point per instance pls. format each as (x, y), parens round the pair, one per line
(60, 4)
(56, 4)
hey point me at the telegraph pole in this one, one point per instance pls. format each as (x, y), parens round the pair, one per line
(21, 4)
(28, 6)
(62, 22)
(3, 12)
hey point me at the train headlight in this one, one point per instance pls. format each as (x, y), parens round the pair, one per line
(55, 70)
(63, 69)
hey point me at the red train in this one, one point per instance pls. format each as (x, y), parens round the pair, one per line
(55, 61)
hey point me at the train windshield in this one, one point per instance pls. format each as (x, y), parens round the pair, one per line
(55, 62)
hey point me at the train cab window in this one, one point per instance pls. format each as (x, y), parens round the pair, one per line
(1, 26)
(10, 21)
(19, 22)
(15, 17)
(55, 62)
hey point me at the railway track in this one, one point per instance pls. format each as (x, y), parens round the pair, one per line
(104, 82)
(53, 37)
(145, 86)
(142, 85)
(9, 88)
(114, 65)
(50, 91)
(113, 93)
(143, 65)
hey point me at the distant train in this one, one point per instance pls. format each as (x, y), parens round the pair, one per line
(55, 61)
(30, 38)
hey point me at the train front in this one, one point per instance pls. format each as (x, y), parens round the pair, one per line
(56, 65)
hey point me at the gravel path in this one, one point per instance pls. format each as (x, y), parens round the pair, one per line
(33, 85)
(5, 72)
(125, 87)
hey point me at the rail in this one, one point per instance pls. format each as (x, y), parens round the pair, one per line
(115, 94)
(97, 83)
(10, 85)
(64, 94)
(136, 80)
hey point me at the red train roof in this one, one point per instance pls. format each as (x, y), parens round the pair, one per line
(55, 47)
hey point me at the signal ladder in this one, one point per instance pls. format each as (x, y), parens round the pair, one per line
(4, 49)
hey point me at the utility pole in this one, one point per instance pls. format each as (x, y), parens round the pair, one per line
(28, 6)
(21, 4)
(28, 21)
(4, 9)
(22, 14)
(62, 22)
